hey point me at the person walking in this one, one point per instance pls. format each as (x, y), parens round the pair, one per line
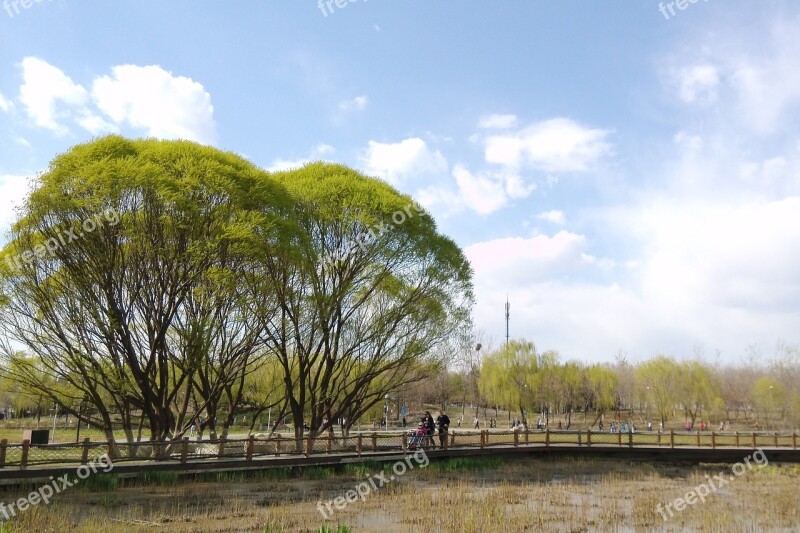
(443, 421)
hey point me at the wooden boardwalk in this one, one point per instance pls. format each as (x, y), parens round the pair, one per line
(25, 462)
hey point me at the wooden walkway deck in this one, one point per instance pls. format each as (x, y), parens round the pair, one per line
(28, 463)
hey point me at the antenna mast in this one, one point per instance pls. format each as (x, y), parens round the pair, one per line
(508, 315)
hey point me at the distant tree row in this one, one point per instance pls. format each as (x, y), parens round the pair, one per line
(518, 379)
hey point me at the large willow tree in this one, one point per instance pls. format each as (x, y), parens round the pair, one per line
(369, 295)
(199, 268)
(130, 310)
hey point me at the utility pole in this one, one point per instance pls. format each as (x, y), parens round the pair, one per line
(508, 315)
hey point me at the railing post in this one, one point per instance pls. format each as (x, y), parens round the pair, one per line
(698, 438)
(446, 439)
(110, 451)
(589, 437)
(775, 439)
(737, 439)
(713, 440)
(483, 439)
(309, 445)
(580, 437)
(671, 438)
(374, 442)
(328, 444)
(3, 444)
(85, 451)
(278, 446)
(794, 441)
(251, 444)
(516, 439)
(619, 438)
(26, 444)
(547, 437)
(184, 449)
(359, 444)
(452, 437)
(527, 433)
(221, 450)
(754, 440)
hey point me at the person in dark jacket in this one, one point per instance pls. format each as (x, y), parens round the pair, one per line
(430, 427)
(443, 421)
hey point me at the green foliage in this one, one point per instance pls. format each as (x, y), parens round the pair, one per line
(363, 469)
(100, 483)
(275, 527)
(340, 528)
(318, 472)
(161, 479)
(279, 473)
(165, 304)
(465, 463)
(661, 378)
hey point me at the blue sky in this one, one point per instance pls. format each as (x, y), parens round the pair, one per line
(628, 175)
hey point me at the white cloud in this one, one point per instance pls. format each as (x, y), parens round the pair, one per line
(748, 73)
(95, 125)
(48, 95)
(324, 149)
(13, 191)
(723, 274)
(556, 145)
(554, 217)
(358, 103)
(279, 165)
(318, 153)
(408, 158)
(728, 256)
(152, 99)
(496, 121)
(507, 261)
(698, 83)
(145, 98)
(687, 140)
(22, 141)
(5, 105)
(482, 195)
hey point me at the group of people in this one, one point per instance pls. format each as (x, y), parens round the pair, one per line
(426, 429)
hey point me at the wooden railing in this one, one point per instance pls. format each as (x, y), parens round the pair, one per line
(21, 456)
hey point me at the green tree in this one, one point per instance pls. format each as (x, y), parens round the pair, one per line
(117, 275)
(507, 376)
(699, 389)
(769, 397)
(662, 378)
(600, 389)
(365, 295)
(571, 387)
